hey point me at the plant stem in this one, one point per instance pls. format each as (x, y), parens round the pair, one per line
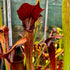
(29, 49)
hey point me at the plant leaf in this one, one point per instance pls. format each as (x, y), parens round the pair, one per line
(0, 17)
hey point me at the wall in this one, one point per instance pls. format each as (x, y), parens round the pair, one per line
(55, 13)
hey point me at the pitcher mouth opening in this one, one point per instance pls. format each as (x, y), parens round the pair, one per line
(21, 61)
(17, 59)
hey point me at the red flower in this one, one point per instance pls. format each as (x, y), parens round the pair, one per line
(29, 14)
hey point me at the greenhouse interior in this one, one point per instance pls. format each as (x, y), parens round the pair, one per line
(34, 35)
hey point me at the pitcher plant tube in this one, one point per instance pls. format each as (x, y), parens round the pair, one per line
(51, 49)
(15, 60)
(28, 14)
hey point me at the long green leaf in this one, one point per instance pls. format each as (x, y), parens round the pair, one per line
(0, 17)
(66, 33)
